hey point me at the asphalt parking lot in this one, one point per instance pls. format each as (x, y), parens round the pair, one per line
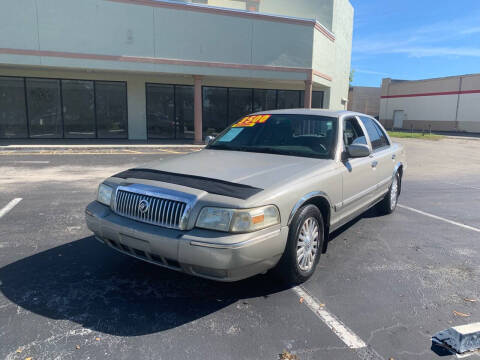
(392, 281)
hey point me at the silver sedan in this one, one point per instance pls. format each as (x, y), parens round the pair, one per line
(263, 195)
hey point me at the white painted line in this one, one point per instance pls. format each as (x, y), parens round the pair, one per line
(440, 218)
(343, 332)
(9, 206)
(31, 162)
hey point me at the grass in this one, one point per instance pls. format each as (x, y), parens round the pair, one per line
(415, 135)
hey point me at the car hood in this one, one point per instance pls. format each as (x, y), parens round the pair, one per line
(248, 168)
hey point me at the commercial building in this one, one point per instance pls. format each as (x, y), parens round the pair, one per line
(443, 104)
(151, 69)
(365, 99)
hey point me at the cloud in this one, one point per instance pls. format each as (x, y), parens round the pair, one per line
(443, 38)
(370, 72)
(438, 51)
(470, 31)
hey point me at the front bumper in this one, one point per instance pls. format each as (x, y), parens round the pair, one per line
(209, 254)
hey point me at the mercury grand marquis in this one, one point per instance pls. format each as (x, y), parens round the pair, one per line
(264, 194)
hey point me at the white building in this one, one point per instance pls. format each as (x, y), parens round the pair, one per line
(443, 104)
(150, 69)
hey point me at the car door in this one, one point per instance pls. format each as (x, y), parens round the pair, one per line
(359, 178)
(384, 159)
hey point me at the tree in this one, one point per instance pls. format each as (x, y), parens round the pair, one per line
(352, 75)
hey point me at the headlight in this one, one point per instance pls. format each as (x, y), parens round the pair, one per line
(104, 194)
(238, 221)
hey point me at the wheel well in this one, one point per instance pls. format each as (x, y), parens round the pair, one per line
(400, 172)
(324, 206)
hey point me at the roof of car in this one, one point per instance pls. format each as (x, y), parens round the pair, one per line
(319, 112)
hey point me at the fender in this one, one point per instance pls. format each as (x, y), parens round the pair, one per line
(304, 199)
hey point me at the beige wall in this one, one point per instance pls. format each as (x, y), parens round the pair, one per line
(365, 100)
(155, 40)
(343, 29)
(101, 27)
(455, 110)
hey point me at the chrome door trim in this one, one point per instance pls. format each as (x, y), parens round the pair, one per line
(357, 196)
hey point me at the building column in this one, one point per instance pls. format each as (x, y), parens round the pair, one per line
(137, 105)
(198, 124)
(308, 94)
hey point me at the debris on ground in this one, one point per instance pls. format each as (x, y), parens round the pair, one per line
(77, 347)
(458, 313)
(301, 300)
(97, 338)
(286, 355)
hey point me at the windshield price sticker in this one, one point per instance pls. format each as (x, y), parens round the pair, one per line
(250, 121)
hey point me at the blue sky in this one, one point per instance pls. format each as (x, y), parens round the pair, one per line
(414, 39)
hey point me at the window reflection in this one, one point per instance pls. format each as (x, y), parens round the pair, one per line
(111, 101)
(78, 108)
(44, 112)
(13, 116)
(215, 111)
(184, 112)
(264, 100)
(288, 99)
(160, 111)
(239, 103)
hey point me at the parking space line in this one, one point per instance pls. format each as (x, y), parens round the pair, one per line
(342, 331)
(440, 218)
(9, 206)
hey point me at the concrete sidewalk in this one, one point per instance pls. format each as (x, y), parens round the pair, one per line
(95, 146)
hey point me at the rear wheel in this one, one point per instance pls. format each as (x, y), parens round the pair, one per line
(304, 246)
(389, 203)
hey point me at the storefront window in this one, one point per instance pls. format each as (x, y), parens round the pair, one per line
(264, 100)
(317, 100)
(111, 101)
(13, 116)
(78, 108)
(215, 110)
(288, 99)
(184, 112)
(239, 103)
(160, 111)
(44, 110)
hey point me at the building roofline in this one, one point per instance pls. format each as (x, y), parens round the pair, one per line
(432, 79)
(232, 12)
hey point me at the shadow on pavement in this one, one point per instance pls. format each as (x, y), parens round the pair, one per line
(90, 284)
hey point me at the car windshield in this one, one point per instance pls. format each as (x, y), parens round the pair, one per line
(284, 134)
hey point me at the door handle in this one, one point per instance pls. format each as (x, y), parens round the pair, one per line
(374, 164)
(394, 157)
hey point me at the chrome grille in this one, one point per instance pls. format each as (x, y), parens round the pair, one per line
(161, 211)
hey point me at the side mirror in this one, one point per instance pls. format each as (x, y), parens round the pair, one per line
(358, 150)
(209, 139)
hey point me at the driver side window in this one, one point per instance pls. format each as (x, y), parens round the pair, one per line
(353, 133)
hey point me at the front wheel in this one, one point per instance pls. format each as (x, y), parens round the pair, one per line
(304, 246)
(389, 203)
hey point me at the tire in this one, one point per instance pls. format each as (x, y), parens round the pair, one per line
(294, 269)
(389, 203)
